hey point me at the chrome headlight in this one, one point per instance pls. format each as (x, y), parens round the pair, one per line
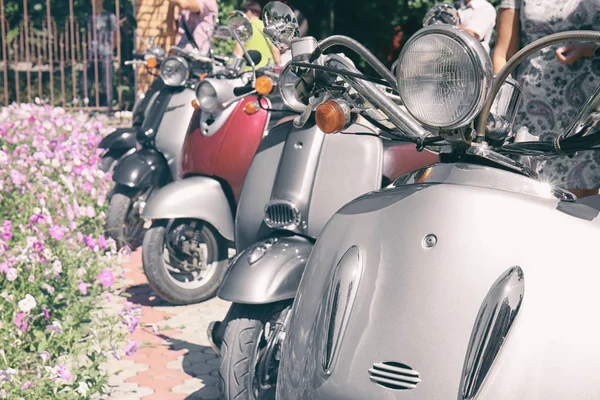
(444, 77)
(207, 96)
(175, 71)
(287, 89)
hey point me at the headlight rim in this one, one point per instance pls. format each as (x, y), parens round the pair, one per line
(479, 58)
(216, 103)
(183, 62)
(287, 69)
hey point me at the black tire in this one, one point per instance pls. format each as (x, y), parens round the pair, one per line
(120, 205)
(241, 342)
(159, 277)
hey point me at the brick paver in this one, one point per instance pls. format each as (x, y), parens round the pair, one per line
(175, 361)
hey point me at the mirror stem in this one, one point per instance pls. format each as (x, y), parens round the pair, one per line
(247, 56)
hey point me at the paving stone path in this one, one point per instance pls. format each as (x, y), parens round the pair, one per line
(175, 361)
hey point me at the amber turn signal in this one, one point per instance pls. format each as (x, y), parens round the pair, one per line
(203, 75)
(252, 108)
(196, 105)
(151, 62)
(423, 174)
(263, 85)
(331, 117)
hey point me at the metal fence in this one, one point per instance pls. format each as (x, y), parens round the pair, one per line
(59, 63)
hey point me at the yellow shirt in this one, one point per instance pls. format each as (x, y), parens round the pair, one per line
(260, 43)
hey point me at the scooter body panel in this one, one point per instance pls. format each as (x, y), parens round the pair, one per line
(228, 152)
(317, 173)
(173, 127)
(417, 298)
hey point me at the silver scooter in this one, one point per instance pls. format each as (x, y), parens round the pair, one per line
(299, 177)
(471, 279)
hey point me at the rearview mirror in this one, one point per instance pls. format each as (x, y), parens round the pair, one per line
(239, 25)
(442, 14)
(281, 25)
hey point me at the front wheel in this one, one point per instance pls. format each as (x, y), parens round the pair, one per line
(250, 350)
(184, 260)
(123, 221)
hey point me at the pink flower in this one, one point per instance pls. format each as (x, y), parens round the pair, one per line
(89, 241)
(57, 232)
(26, 385)
(106, 278)
(35, 218)
(31, 278)
(90, 212)
(102, 242)
(46, 313)
(44, 355)
(131, 348)
(22, 321)
(11, 275)
(56, 327)
(17, 178)
(83, 288)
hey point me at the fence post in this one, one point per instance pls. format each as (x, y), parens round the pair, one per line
(4, 52)
(27, 55)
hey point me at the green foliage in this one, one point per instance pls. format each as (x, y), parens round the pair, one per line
(223, 46)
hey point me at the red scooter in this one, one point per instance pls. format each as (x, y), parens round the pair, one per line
(186, 249)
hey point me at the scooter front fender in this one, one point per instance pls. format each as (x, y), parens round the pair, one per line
(142, 169)
(121, 139)
(197, 197)
(266, 272)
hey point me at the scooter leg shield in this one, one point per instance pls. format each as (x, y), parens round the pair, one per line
(267, 271)
(197, 197)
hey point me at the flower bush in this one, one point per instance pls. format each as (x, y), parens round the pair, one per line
(56, 268)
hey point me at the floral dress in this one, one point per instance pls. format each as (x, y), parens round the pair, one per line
(553, 93)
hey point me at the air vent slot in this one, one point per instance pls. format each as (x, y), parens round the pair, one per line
(281, 215)
(394, 375)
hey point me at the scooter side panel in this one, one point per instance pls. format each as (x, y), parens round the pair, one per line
(173, 128)
(257, 188)
(416, 304)
(197, 197)
(243, 133)
(349, 165)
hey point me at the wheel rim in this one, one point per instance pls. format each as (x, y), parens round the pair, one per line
(264, 374)
(204, 264)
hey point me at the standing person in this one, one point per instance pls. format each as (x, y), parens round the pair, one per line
(556, 81)
(478, 18)
(198, 16)
(103, 42)
(259, 41)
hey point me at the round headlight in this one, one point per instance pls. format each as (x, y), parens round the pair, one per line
(444, 77)
(287, 89)
(175, 71)
(207, 96)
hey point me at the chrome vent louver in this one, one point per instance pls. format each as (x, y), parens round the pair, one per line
(281, 214)
(394, 375)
